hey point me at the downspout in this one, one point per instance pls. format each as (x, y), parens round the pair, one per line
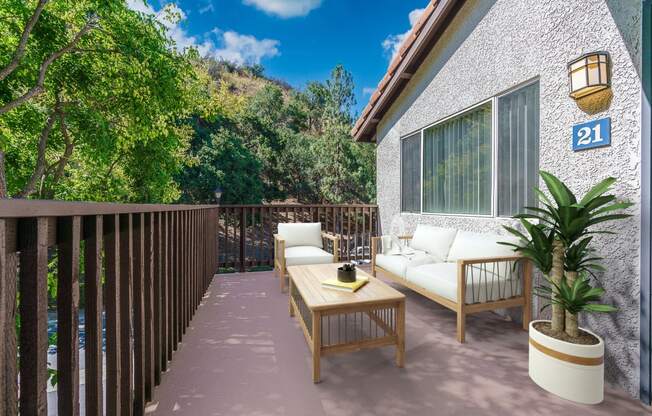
(646, 195)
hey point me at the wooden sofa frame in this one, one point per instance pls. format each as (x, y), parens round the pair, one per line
(460, 306)
(279, 254)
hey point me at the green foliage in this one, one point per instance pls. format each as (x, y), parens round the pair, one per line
(579, 258)
(570, 219)
(115, 100)
(537, 246)
(576, 297)
(571, 222)
(300, 141)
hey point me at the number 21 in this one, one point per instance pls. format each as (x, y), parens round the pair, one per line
(584, 135)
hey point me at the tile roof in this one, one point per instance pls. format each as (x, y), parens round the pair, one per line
(414, 48)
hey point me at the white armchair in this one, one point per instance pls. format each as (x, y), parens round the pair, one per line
(302, 243)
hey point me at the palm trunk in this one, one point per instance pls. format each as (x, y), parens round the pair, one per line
(556, 274)
(572, 329)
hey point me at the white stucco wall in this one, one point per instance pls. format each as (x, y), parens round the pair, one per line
(492, 46)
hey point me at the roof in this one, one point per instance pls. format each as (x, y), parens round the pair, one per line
(412, 53)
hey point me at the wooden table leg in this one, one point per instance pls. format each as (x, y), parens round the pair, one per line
(290, 297)
(316, 345)
(400, 332)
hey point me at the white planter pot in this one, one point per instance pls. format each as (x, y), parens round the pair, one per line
(571, 371)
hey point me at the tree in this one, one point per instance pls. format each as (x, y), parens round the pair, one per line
(226, 163)
(300, 139)
(98, 91)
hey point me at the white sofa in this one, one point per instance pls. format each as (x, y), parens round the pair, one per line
(463, 271)
(298, 244)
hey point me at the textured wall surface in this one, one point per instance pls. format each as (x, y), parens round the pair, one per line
(491, 47)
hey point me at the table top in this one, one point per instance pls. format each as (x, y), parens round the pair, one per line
(307, 279)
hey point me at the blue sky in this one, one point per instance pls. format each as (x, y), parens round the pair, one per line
(295, 40)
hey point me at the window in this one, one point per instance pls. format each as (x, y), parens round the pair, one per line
(457, 164)
(411, 173)
(518, 149)
(483, 161)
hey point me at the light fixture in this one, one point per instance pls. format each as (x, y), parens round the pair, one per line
(589, 74)
(218, 194)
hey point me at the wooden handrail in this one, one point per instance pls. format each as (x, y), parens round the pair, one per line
(23, 208)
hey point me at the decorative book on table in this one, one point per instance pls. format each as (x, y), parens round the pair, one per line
(345, 287)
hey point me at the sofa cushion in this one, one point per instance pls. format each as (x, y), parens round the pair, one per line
(436, 241)
(301, 255)
(397, 264)
(441, 279)
(468, 245)
(301, 234)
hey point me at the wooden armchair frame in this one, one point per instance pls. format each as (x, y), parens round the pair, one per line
(460, 306)
(279, 253)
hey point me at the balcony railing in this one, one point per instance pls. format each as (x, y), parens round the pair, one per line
(144, 270)
(245, 234)
(141, 272)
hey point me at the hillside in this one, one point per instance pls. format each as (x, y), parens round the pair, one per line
(261, 140)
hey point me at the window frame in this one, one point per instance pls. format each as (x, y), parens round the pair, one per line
(494, 153)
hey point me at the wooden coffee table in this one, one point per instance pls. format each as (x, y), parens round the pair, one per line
(335, 321)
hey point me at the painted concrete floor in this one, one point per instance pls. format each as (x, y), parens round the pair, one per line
(243, 355)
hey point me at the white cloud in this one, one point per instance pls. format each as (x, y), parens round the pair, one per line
(209, 7)
(244, 49)
(368, 90)
(285, 8)
(392, 43)
(229, 45)
(140, 6)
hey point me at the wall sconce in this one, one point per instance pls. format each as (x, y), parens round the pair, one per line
(589, 74)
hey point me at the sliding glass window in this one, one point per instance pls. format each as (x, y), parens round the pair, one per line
(457, 164)
(411, 173)
(518, 149)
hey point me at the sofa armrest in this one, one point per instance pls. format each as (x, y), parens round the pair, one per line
(489, 270)
(375, 241)
(279, 250)
(335, 239)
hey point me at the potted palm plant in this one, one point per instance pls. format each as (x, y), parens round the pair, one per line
(563, 358)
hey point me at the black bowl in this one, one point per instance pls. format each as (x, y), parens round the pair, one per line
(345, 276)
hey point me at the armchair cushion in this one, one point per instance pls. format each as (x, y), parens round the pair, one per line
(398, 264)
(469, 245)
(302, 255)
(436, 241)
(441, 279)
(301, 234)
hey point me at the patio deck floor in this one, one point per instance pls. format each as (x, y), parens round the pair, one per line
(243, 355)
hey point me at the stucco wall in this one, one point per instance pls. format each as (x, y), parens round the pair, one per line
(493, 46)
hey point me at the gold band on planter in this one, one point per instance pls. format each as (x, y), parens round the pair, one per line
(573, 359)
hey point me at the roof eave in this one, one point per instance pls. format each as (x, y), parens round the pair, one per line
(414, 50)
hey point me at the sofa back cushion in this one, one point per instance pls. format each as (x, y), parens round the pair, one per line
(468, 245)
(435, 241)
(301, 234)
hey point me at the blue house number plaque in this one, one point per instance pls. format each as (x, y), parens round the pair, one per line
(596, 133)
